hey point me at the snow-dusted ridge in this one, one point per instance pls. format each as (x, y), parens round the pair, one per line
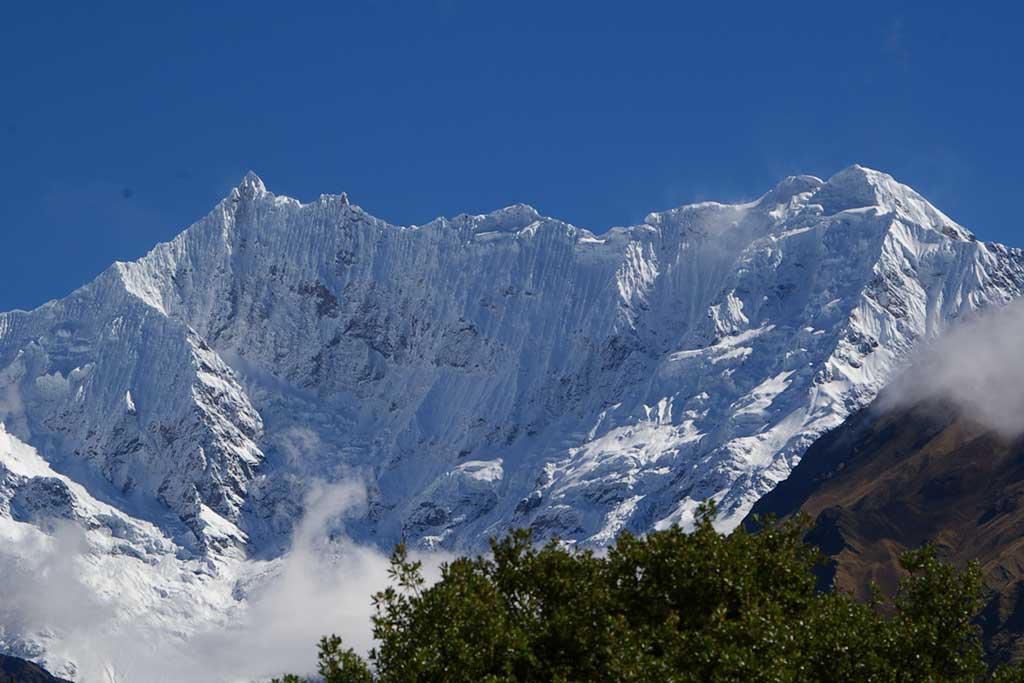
(476, 373)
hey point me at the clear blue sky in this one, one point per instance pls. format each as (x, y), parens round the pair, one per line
(121, 123)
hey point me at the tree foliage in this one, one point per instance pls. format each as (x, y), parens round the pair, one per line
(669, 606)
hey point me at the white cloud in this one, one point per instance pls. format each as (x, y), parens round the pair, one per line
(323, 585)
(979, 366)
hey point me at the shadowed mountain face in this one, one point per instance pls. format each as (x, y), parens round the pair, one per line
(14, 669)
(889, 481)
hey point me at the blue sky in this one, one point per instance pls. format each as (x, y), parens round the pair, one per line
(121, 123)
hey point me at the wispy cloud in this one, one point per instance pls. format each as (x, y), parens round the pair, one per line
(979, 366)
(323, 585)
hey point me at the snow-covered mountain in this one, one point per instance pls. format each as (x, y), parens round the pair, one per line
(476, 373)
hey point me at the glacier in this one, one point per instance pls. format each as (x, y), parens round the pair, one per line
(473, 374)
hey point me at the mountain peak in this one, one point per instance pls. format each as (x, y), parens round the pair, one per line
(791, 187)
(861, 179)
(852, 188)
(510, 218)
(857, 187)
(251, 185)
(859, 170)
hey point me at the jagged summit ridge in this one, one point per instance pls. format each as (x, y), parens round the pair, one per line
(310, 293)
(856, 187)
(478, 372)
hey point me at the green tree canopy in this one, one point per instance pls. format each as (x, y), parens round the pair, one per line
(669, 606)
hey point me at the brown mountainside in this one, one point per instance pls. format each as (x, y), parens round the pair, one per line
(20, 671)
(895, 478)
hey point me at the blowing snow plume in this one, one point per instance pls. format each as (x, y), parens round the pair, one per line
(979, 367)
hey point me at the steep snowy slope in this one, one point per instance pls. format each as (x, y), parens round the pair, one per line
(487, 371)
(476, 373)
(83, 579)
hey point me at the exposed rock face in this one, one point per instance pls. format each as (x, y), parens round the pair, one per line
(478, 373)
